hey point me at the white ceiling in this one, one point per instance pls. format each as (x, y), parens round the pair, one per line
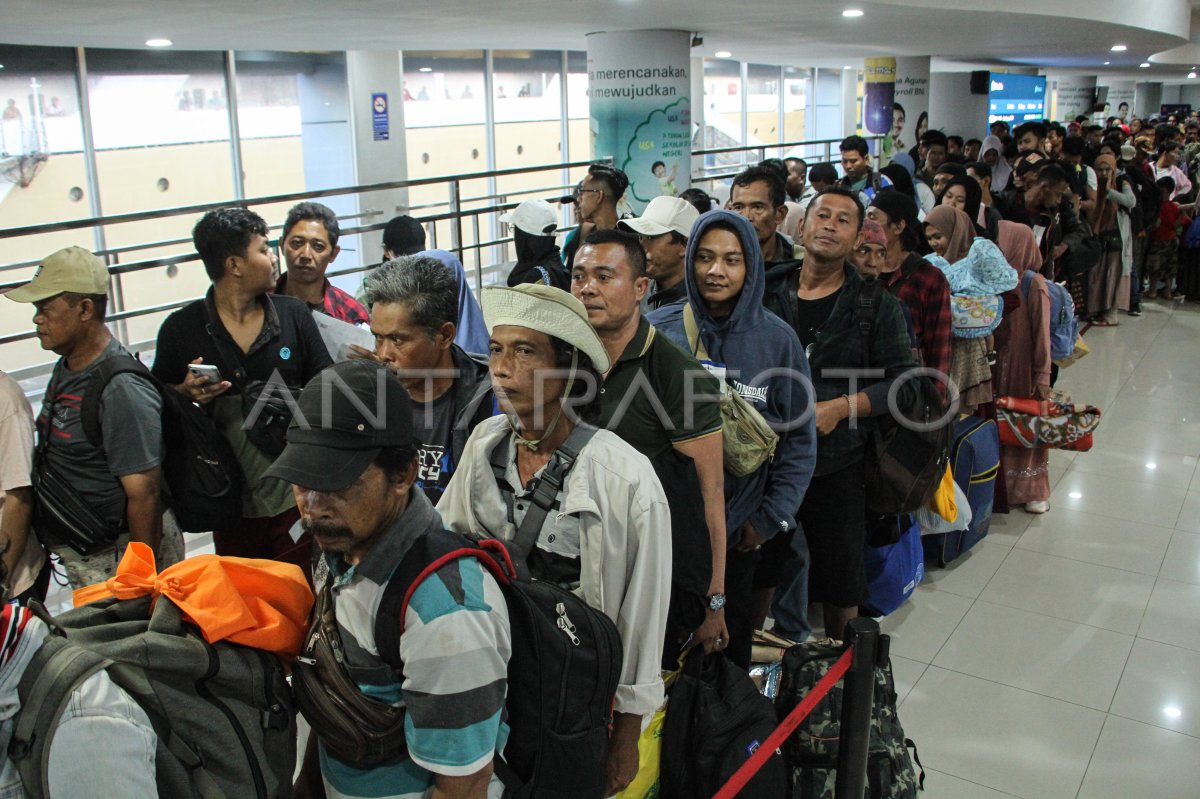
(1047, 33)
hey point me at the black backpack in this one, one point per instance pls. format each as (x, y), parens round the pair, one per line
(716, 720)
(903, 466)
(201, 473)
(566, 656)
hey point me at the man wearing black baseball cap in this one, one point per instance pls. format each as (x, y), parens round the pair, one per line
(351, 460)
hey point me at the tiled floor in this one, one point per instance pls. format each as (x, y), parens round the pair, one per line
(1061, 657)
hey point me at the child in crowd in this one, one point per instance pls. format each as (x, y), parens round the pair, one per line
(1162, 259)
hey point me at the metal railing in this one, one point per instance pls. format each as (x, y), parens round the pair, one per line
(470, 223)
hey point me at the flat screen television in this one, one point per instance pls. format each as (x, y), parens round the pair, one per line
(1015, 98)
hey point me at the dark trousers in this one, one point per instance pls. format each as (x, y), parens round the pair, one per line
(739, 592)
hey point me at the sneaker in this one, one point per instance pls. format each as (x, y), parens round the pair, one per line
(1040, 506)
(1136, 312)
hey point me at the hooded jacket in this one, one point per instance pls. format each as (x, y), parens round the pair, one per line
(755, 346)
(472, 333)
(538, 261)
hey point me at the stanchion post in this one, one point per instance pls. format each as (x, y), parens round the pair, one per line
(858, 695)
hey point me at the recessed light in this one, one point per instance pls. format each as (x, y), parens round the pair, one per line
(1106, 63)
(1191, 76)
(1119, 48)
(1075, 495)
(1172, 712)
(1151, 465)
(1144, 65)
(724, 54)
(159, 42)
(852, 12)
(848, 66)
(425, 69)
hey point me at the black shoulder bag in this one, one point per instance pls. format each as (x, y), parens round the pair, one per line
(60, 513)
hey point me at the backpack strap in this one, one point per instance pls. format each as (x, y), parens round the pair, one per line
(865, 306)
(51, 677)
(434, 550)
(545, 494)
(1026, 284)
(89, 410)
(692, 331)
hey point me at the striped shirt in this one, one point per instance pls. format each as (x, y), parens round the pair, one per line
(455, 649)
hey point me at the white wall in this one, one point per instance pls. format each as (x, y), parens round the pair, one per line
(952, 107)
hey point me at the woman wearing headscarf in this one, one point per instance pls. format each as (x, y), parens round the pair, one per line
(1023, 364)
(472, 333)
(975, 268)
(1109, 219)
(992, 154)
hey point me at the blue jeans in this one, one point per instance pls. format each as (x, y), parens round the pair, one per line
(790, 607)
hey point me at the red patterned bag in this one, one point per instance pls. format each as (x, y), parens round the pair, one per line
(1028, 422)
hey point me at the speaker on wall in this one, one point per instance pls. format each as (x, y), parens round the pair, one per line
(981, 81)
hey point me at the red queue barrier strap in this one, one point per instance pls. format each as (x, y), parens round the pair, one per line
(799, 713)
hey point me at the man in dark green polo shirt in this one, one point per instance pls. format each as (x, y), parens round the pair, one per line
(660, 400)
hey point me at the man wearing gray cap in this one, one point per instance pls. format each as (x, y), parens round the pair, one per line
(118, 477)
(351, 461)
(609, 535)
(663, 231)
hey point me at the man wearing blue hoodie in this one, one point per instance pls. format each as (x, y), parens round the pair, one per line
(762, 359)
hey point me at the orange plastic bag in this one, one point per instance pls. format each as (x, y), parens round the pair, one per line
(259, 603)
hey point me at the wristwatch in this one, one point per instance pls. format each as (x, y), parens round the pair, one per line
(716, 602)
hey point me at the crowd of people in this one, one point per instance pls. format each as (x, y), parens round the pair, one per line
(587, 395)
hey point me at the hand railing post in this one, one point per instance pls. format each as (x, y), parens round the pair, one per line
(858, 695)
(456, 230)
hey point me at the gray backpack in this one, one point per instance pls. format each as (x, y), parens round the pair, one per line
(222, 712)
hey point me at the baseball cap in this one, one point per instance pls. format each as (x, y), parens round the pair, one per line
(547, 310)
(663, 215)
(71, 269)
(345, 416)
(535, 217)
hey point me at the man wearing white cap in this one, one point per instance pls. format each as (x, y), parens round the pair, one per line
(663, 230)
(117, 478)
(609, 535)
(538, 258)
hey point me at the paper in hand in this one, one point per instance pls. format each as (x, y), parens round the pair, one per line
(339, 335)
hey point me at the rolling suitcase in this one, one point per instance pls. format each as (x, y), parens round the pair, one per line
(974, 462)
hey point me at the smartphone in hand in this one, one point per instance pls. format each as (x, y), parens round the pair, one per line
(207, 372)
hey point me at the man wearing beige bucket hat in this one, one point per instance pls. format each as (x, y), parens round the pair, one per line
(608, 536)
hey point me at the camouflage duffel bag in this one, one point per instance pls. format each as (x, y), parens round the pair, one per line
(812, 750)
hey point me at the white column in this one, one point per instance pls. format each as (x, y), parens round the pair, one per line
(639, 96)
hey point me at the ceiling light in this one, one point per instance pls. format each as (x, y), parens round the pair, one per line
(847, 67)
(851, 13)
(1119, 48)
(724, 54)
(1191, 76)
(1172, 712)
(159, 43)
(1075, 495)
(1144, 65)
(1152, 466)
(425, 69)
(1106, 63)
